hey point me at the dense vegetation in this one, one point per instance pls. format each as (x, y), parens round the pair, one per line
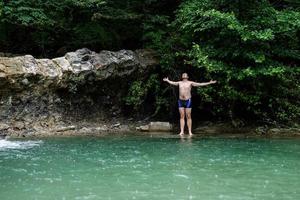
(52, 27)
(250, 47)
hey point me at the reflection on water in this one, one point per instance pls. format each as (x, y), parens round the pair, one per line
(143, 167)
(186, 138)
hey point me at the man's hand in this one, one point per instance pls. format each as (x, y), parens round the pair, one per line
(171, 82)
(212, 82)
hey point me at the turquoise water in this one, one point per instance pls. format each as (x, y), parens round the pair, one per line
(144, 167)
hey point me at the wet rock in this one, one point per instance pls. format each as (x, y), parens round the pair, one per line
(124, 128)
(261, 130)
(19, 125)
(160, 126)
(79, 85)
(29, 132)
(284, 131)
(25, 81)
(275, 131)
(143, 128)
(211, 130)
(66, 128)
(85, 130)
(101, 128)
(156, 127)
(2, 135)
(4, 126)
(116, 125)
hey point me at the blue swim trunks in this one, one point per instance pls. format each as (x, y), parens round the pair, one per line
(185, 103)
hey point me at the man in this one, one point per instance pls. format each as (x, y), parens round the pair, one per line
(185, 101)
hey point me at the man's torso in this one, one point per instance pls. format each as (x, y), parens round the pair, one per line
(185, 90)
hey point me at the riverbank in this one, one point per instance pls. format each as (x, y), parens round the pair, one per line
(82, 93)
(129, 126)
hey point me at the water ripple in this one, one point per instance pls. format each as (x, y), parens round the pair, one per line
(7, 144)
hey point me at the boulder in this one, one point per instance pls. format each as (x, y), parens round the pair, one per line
(143, 128)
(105, 64)
(156, 127)
(160, 126)
(65, 128)
(81, 85)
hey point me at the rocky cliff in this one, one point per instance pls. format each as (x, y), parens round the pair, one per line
(43, 94)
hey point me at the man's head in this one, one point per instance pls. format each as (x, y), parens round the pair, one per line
(185, 76)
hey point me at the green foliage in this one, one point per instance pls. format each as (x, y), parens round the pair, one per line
(1, 8)
(140, 89)
(250, 47)
(69, 24)
(155, 37)
(136, 94)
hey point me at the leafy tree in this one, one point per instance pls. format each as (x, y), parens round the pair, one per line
(44, 27)
(250, 47)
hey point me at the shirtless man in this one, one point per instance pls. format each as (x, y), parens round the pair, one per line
(185, 101)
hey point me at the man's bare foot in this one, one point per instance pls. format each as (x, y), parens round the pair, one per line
(190, 134)
(181, 133)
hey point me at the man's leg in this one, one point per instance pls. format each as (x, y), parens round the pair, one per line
(188, 113)
(182, 114)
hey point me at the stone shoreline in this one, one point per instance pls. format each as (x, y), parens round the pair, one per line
(49, 96)
(82, 93)
(129, 127)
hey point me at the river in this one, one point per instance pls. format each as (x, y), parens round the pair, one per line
(150, 167)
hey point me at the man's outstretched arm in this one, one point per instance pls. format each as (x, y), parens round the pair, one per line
(171, 82)
(195, 84)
